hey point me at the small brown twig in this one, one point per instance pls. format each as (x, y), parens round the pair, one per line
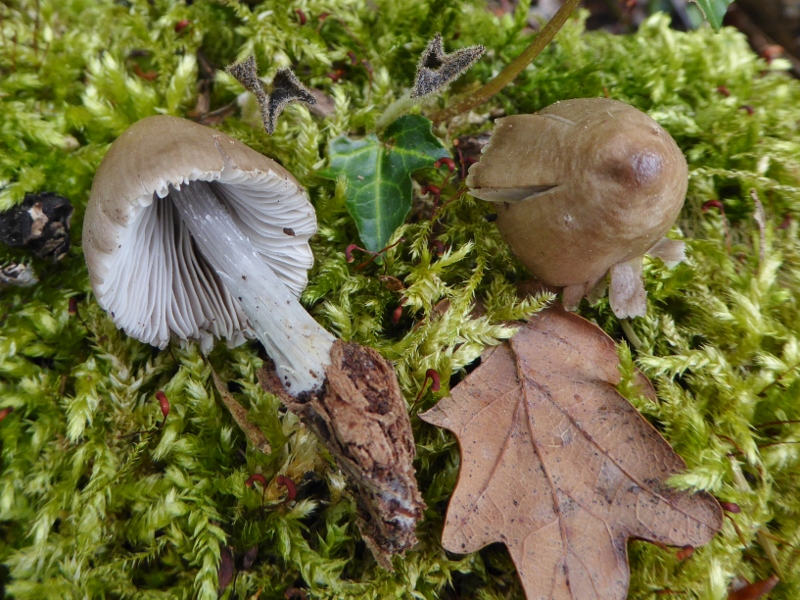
(708, 205)
(737, 529)
(733, 443)
(36, 29)
(240, 415)
(769, 549)
(761, 220)
(437, 209)
(773, 444)
(2, 28)
(777, 380)
(772, 423)
(349, 252)
(756, 36)
(216, 116)
(756, 590)
(251, 481)
(75, 310)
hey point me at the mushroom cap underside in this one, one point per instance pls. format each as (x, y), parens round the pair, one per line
(142, 262)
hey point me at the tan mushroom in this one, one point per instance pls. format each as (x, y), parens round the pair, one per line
(585, 188)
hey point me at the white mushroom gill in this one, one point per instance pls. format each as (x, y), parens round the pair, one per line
(297, 344)
(156, 284)
(162, 285)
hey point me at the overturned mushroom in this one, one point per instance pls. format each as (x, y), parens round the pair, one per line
(191, 234)
(585, 188)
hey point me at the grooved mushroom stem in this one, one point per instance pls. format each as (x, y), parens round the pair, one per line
(299, 346)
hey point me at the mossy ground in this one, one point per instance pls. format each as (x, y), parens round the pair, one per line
(98, 501)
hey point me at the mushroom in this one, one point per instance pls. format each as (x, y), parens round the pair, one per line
(191, 234)
(585, 188)
(248, 217)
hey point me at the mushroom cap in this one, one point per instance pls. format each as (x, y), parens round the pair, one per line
(581, 186)
(142, 262)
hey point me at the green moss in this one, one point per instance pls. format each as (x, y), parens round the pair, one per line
(98, 500)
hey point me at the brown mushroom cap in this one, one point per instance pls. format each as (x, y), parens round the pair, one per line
(141, 259)
(581, 186)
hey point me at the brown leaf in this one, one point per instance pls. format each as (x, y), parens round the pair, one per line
(558, 466)
(226, 569)
(249, 557)
(755, 590)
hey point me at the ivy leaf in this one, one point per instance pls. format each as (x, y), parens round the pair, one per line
(378, 174)
(714, 11)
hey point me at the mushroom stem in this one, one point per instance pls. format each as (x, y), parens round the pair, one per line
(297, 344)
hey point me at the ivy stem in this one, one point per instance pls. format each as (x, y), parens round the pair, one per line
(514, 68)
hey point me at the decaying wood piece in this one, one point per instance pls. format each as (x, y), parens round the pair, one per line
(560, 467)
(361, 418)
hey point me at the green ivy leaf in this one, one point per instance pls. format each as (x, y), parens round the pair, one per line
(714, 11)
(378, 174)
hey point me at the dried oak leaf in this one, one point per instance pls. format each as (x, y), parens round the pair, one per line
(558, 466)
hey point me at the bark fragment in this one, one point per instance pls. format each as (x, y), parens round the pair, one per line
(361, 418)
(40, 224)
